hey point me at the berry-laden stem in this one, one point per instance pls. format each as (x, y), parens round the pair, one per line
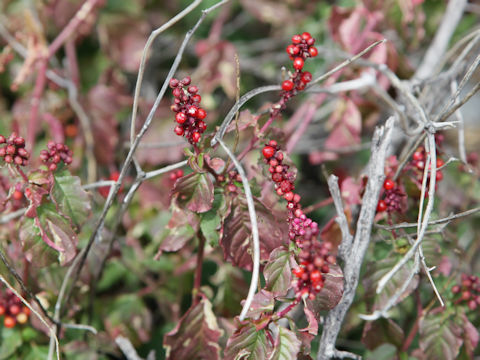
(198, 269)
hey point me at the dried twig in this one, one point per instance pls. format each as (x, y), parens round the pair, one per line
(356, 253)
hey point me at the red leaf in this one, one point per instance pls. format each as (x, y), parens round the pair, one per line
(346, 125)
(237, 233)
(196, 336)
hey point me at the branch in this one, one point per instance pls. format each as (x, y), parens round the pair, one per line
(333, 321)
(438, 47)
(127, 348)
(253, 220)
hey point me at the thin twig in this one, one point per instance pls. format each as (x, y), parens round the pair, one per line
(141, 70)
(421, 229)
(127, 348)
(255, 238)
(433, 222)
(40, 317)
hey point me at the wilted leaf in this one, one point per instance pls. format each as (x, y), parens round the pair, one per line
(237, 233)
(381, 331)
(331, 293)
(278, 272)
(194, 192)
(71, 200)
(196, 335)
(287, 345)
(248, 343)
(440, 336)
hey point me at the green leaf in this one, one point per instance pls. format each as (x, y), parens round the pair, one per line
(248, 343)
(196, 335)
(278, 272)
(194, 192)
(71, 200)
(212, 220)
(10, 342)
(287, 345)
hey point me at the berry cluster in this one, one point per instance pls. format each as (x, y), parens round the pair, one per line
(417, 164)
(314, 256)
(393, 198)
(175, 175)
(189, 114)
(229, 181)
(14, 150)
(56, 152)
(13, 310)
(469, 291)
(299, 50)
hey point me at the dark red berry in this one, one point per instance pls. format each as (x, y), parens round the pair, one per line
(296, 39)
(196, 98)
(180, 118)
(382, 206)
(313, 51)
(298, 272)
(439, 176)
(186, 80)
(315, 276)
(417, 156)
(306, 77)
(298, 63)
(388, 184)
(268, 152)
(287, 85)
(201, 114)
(178, 130)
(174, 83)
(192, 89)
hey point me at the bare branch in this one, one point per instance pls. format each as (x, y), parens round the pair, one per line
(127, 348)
(439, 45)
(255, 238)
(356, 253)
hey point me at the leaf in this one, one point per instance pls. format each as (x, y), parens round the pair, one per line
(237, 233)
(345, 126)
(71, 200)
(211, 222)
(262, 302)
(231, 289)
(248, 343)
(470, 336)
(375, 272)
(49, 231)
(381, 331)
(10, 341)
(312, 327)
(278, 272)
(331, 293)
(195, 336)
(194, 192)
(287, 345)
(181, 228)
(440, 336)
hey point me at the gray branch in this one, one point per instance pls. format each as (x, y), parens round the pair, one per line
(356, 252)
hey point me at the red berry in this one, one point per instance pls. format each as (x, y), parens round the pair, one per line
(292, 50)
(298, 63)
(10, 149)
(201, 113)
(197, 98)
(288, 196)
(272, 143)
(439, 176)
(192, 111)
(417, 155)
(440, 163)
(268, 152)
(26, 310)
(306, 35)
(14, 309)
(296, 39)
(9, 322)
(388, 184)
(382, 206)
(315, 276)
(192, 89)
(2, 139)
(177, 92)
(466, 295)
(52, 167)
(8, 159)
(306, 77)
(2, 310)
(173, 83)
(287, 85)
(313, 51)
(196, 137)
(186, 80)
(178, 130)
(298, 272)
(17, 195)
(180, 117)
